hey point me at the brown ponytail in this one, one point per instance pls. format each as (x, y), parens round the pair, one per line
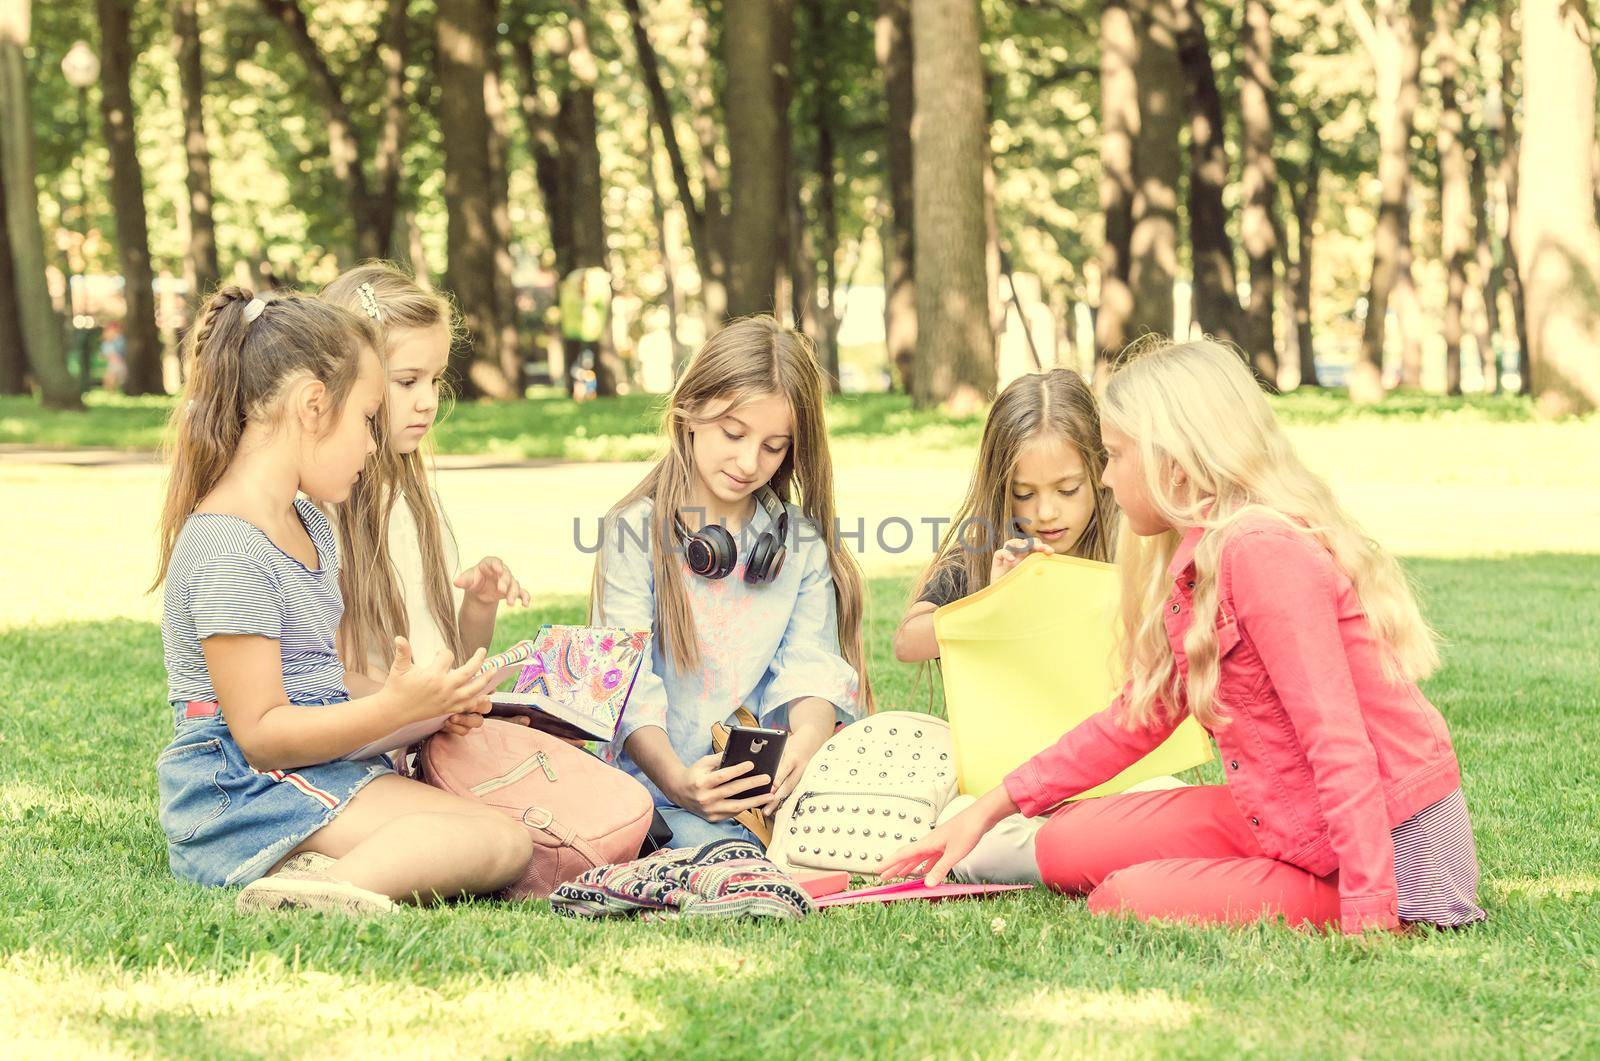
(238, 362)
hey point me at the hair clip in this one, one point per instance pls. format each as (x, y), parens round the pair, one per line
(369, 299)
(252, 310)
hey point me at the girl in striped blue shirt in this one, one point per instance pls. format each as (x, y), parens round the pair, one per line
(281, 397)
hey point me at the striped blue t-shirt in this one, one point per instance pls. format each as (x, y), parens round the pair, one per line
(226, 577)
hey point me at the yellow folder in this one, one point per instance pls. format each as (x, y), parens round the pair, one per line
(1031, 656)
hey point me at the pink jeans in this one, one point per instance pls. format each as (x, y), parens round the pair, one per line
(1183, 854)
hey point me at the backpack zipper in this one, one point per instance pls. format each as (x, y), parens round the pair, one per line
(536, 761)
(811, 794)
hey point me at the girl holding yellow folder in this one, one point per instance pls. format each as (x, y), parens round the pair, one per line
(1036, 488)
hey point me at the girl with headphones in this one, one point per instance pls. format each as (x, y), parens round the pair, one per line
(728, 550)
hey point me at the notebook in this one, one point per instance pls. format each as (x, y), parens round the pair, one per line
(574, 681)
(915, 889)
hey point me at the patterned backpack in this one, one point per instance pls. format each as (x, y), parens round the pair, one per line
(875, 786)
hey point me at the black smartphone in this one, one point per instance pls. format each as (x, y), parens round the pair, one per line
(763, 747)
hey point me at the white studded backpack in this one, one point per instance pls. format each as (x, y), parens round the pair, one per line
(877, 785)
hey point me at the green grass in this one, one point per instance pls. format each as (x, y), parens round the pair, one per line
(102, 951)
(549, 426)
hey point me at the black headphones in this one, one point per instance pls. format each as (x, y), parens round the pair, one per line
(712, 552)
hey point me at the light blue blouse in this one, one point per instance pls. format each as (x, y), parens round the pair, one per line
(761, 646)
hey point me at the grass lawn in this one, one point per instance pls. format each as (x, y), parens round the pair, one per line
(101, 951)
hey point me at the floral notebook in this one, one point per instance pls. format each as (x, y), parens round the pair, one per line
(574, 680)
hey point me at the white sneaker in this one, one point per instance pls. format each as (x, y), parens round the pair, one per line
(291, 890)
(308, 862)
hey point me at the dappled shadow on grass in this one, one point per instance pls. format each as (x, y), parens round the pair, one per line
(100, 945)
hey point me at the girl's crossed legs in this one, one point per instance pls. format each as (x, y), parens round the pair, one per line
(412, 842)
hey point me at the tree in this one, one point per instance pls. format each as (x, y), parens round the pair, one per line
(578, 165)
(127, 198)
(372, 213)
(1558, 244)
(545, 148)
(471, 236)
(814, 190)
(201, 269)
(955, 346)
(41, 328)
(900, 286)
(498, 127)
(1392, 42)
(1153, 240)
(704, 214)
(1488, 272)
(1305, 198)
(1216, 288)
(1259, 180)
(1455, 187)
(13, 359)
(1119, 126)
(756, 177)
(1503, 125)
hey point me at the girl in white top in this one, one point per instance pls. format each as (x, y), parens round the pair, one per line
(397, 548)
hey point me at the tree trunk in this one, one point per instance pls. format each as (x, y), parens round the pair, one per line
(387, 160)
(703, 224)
(1153, 244)
(469, 197)
(755, 155)
(900, 295)
(1396, 59)
(505, 287)
(1216, 288)
(1304, 195)
(545, 147)
(821, 256)
(714, 289)
(13, 346)
(828, 208)
(786, 238)
(1455, 189)
(669, 252)
(41, 328)
(1557, 238)
(578, 132)
(201, 269)
(955, 346)
(1259, 186)
(127, 198)
(344, 146)
(1508, 186)
(1119, 126)
(1488, 274)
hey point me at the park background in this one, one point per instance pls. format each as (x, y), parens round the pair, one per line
(1388, 205)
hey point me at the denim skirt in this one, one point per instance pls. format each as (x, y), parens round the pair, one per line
(228, 823)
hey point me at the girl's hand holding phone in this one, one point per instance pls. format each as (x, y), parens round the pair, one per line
(712, 791)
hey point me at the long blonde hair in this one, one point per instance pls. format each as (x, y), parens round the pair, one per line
(750, 359)
(1194, 407)
(1054, 404)
(374, 606)
(236, 371)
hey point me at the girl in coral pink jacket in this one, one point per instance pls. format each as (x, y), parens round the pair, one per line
(1253, 602)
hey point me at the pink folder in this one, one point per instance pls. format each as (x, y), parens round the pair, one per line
(915, 889)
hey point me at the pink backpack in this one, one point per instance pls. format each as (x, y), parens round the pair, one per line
(581, 812)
